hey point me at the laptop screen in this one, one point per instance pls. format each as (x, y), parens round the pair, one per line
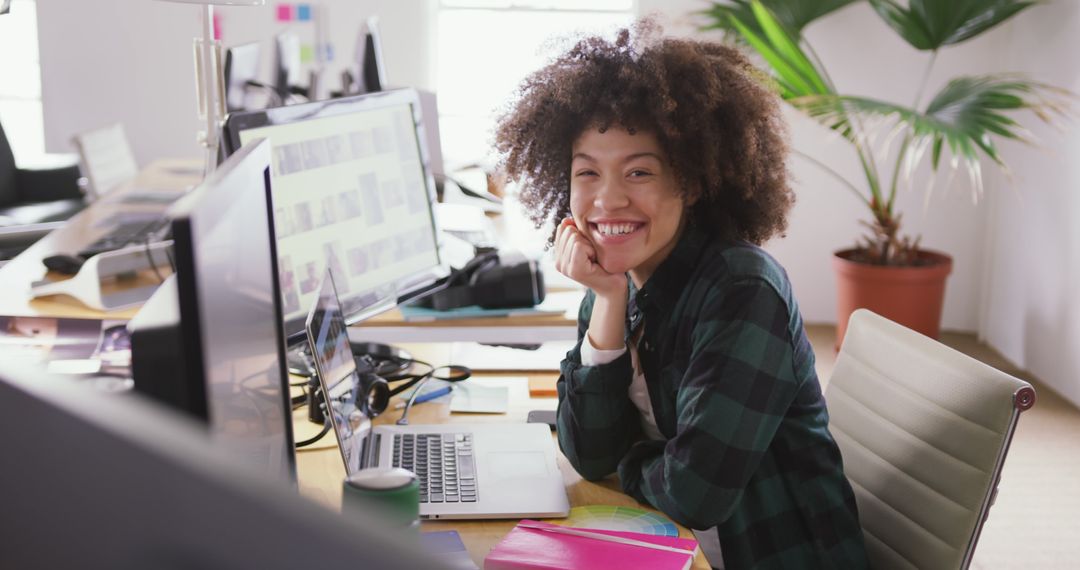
(337, 373)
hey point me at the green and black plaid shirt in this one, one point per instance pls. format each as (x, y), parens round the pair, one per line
(731, 378)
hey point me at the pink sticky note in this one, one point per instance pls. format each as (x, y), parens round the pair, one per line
(217, 25)
(284, 12)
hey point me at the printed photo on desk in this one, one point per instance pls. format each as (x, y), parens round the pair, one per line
(68, 346)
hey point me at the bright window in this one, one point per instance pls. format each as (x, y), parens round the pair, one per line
(20, 80)
(486, 47)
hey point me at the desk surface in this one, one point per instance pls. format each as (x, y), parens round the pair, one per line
(320, 470)
(18, 274)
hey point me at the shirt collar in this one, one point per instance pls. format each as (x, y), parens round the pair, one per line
(671, 276)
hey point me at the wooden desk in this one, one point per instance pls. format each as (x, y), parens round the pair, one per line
(320, 471)
(16, 277)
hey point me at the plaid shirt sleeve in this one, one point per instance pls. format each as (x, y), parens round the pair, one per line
(597, 422)
(738, 385)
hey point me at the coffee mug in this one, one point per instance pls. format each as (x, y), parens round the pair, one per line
(392, 494)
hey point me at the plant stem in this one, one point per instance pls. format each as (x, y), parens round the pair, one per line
(925, 80)
(817, 62)
(857, 133)
(835, 175)
(896, 172)
(907, 138)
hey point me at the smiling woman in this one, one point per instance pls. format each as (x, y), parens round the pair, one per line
(662, 165)
(624, 198)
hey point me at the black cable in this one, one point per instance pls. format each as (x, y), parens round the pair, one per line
(317, 437)
(150, 258)
(457, 374)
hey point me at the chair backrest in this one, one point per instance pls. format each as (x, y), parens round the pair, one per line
(923, 430)
(8, 192)
(106, 158)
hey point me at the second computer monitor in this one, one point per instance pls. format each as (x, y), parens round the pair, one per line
(369, 58)
(286, 64)
(210, 341)
(353, 192)
(241, 67)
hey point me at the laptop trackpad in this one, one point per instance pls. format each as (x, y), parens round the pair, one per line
(517, 464)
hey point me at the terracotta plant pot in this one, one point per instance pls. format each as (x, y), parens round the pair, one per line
(911, 296)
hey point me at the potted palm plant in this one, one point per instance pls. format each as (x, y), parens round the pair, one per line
(887, 271)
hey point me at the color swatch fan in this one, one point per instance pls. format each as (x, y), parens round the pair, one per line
(628, 519)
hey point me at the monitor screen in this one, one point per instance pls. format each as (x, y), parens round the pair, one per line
(241, 66)
(353, 192)
(337, 373)
(230, 310)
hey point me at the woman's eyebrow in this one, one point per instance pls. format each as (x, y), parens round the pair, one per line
(627, 158)
(646, 154)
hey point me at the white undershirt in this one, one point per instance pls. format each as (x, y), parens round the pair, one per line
(639, 392)
(639, 395)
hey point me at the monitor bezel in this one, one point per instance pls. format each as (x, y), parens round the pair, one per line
(209, 201)
(410, 287)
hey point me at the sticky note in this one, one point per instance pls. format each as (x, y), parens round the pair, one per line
(303, 12)
(217, 25)
(284, 12)
(307, 53)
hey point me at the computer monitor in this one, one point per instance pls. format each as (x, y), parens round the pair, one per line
(210, 341)
(241, 68)
(106, 481)
(369, 57)
(286, 64)
(352, 191)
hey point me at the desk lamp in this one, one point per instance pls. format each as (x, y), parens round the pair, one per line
(209, 77)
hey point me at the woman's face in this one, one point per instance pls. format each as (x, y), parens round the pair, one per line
(624, 198)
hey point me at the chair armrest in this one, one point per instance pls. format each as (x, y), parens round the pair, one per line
(48, 184)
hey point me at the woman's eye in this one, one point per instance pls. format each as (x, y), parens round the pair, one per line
(637, 173)
(586, 173)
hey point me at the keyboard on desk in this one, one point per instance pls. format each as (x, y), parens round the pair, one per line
(139, 232)
(442, 462)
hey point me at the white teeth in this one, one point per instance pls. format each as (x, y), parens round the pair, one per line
(615, 229)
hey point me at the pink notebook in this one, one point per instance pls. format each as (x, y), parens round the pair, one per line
(526, 547)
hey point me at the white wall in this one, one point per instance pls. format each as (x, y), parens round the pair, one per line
(1033, 314)
(131, 61)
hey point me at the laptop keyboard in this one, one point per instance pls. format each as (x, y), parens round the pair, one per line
(442, 462)
(129, 233)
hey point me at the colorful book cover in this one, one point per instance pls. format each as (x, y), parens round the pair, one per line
(538, 545)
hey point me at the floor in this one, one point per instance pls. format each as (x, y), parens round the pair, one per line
(1036, 520)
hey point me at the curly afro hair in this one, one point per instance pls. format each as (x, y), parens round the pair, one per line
(712, 111)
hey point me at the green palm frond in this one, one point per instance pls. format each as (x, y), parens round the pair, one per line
(794, 15)
(793, 70)
(931, 24)
(964, 116)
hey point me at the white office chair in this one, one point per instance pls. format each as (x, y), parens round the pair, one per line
(106, 159)
(924, 431)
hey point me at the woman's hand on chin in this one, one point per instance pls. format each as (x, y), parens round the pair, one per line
(577, 258)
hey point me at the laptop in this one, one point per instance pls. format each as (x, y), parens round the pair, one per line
(466, 471)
